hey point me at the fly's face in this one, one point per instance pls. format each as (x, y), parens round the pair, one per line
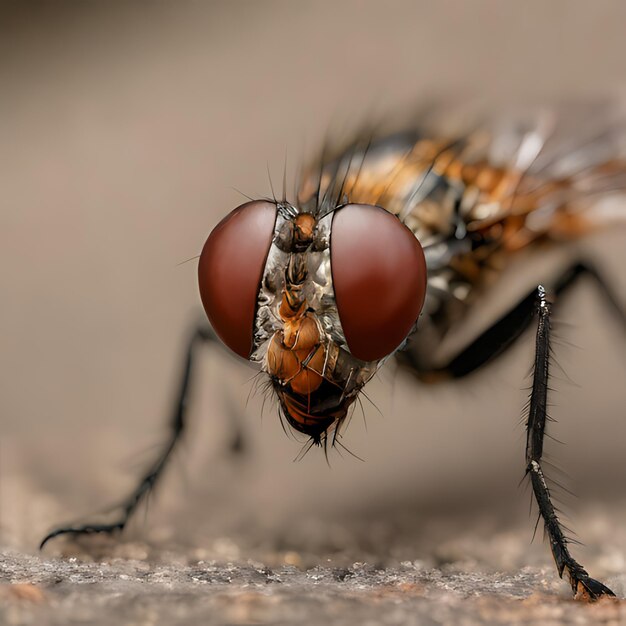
(319, 300)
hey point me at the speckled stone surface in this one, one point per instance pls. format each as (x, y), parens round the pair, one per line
(56, 591)
(479, 571)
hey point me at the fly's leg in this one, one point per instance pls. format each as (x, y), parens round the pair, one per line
(583, 586)
(582, 269)
(503, 333)
(489, 345)
(202, 335)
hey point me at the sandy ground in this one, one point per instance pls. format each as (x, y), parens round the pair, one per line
(474, 576)
(123, 132)
(134, 592)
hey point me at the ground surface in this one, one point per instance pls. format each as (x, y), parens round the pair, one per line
(472, 575)
(71, 592)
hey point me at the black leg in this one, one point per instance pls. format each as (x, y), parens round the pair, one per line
(503, 333)
(203, 334)
(582, 269)
(583, 586)
(493, 342)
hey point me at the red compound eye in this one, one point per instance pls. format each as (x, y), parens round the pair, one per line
(379, 278)
(230, 272)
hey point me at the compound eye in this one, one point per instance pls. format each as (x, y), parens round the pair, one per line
(379, 278)
(230, 272)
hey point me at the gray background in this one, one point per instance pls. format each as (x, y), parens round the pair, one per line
(123, 130)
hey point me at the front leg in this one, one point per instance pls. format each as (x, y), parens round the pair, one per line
(493, 342)
(202, 335)
(583, 586)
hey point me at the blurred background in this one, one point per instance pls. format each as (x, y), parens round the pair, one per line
(124, 130)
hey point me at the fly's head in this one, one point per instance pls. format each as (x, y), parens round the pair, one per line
(320, 300)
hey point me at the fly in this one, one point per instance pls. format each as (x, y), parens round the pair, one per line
(386, 246)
